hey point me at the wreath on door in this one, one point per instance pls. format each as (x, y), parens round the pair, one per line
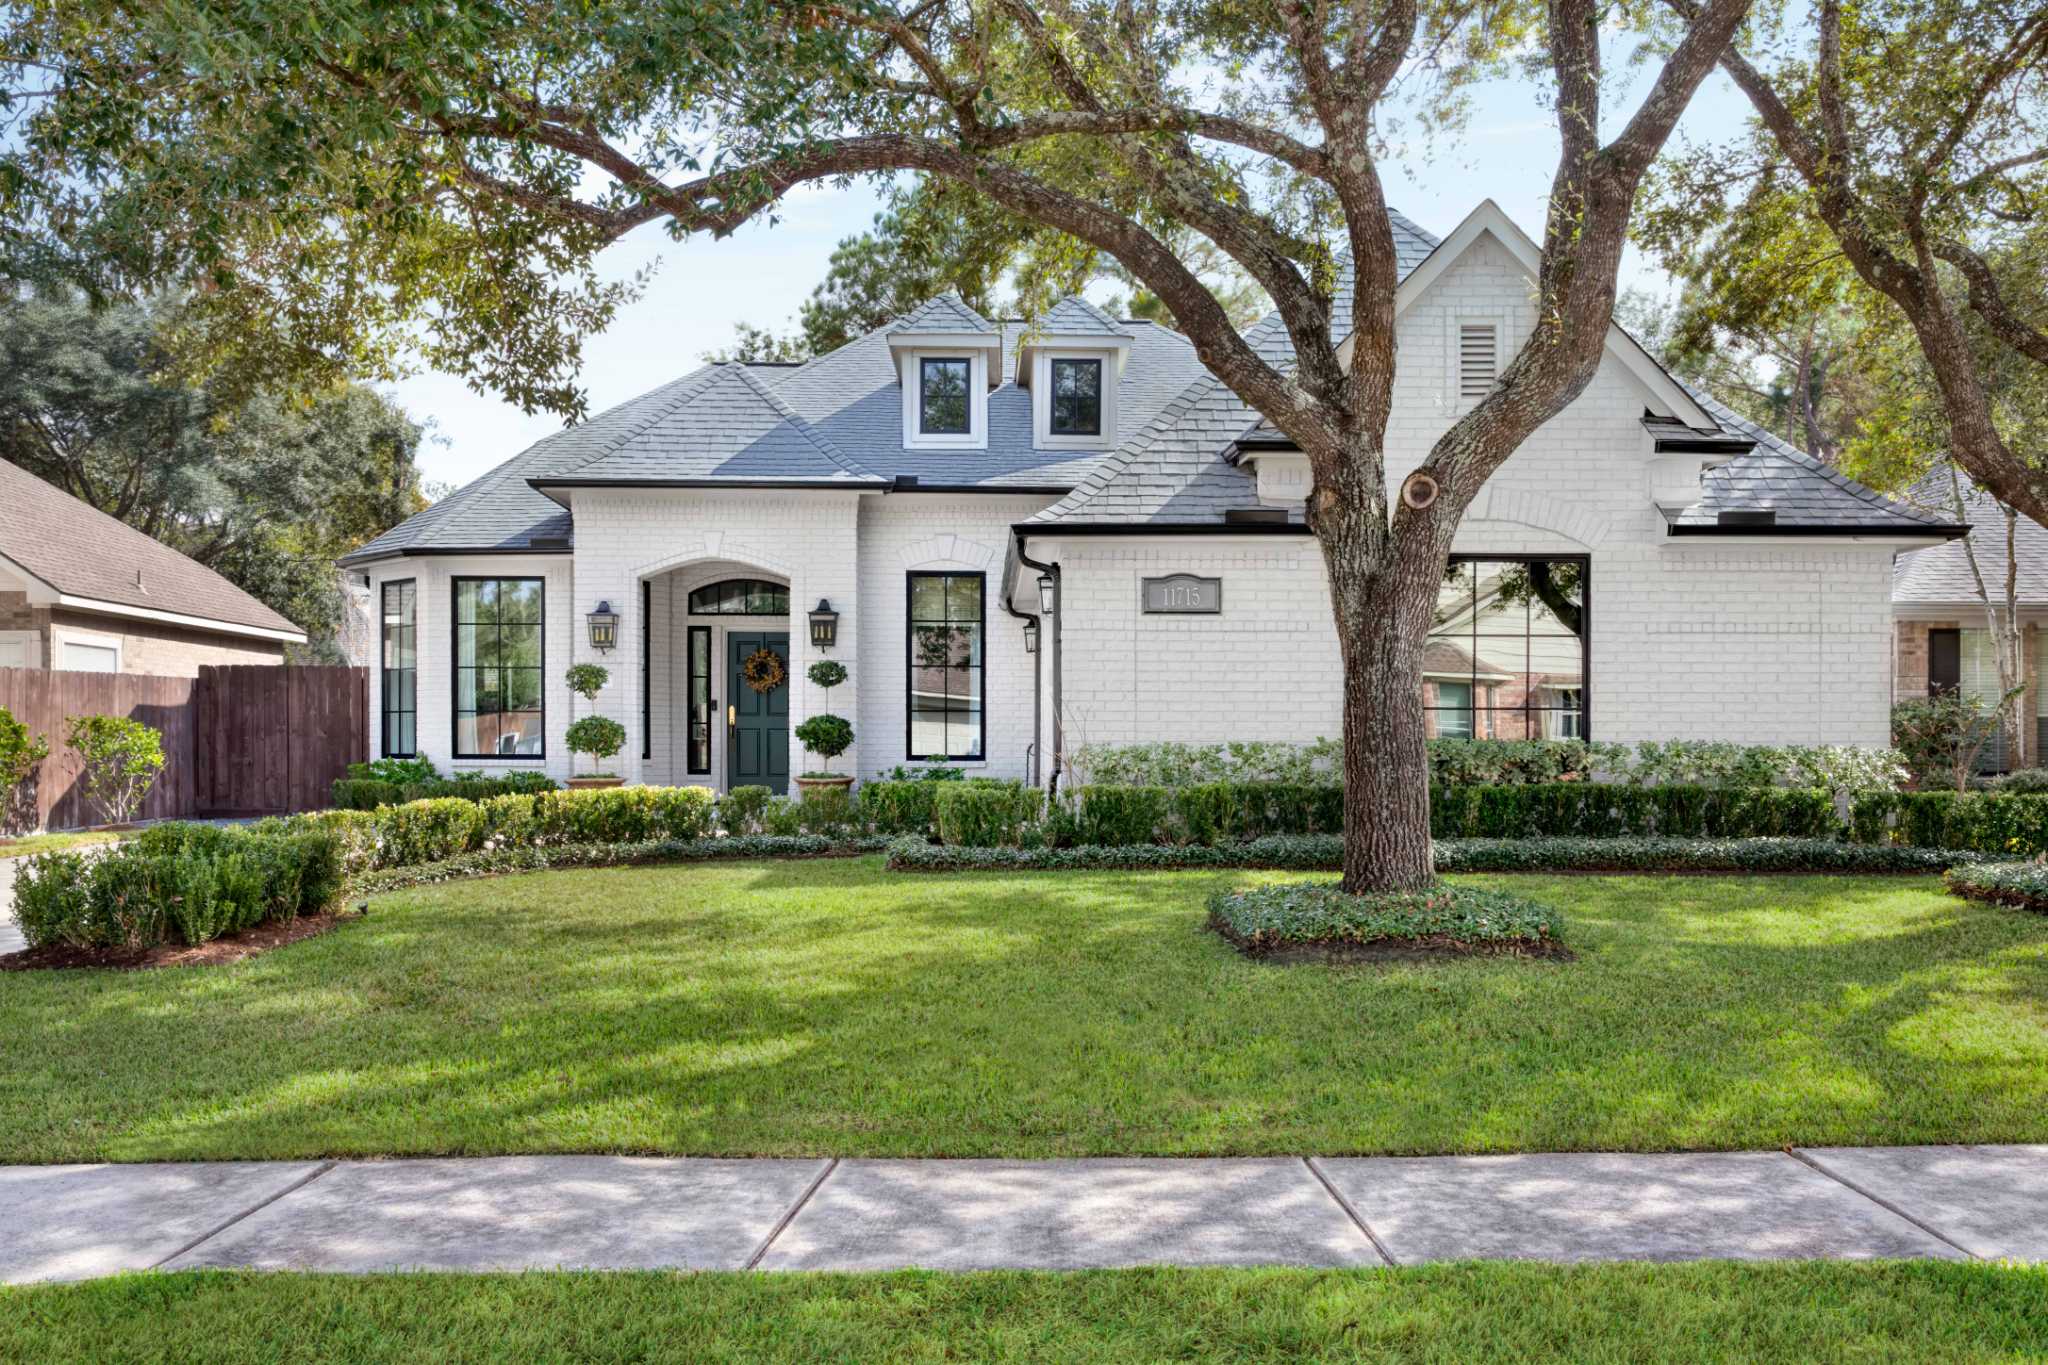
(763, 670)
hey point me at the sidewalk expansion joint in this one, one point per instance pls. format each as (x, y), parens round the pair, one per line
(308, 1178)
(1887, 1205)
(1345, 1204)
(754, 1261)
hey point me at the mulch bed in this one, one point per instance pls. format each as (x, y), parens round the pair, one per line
(233, 948)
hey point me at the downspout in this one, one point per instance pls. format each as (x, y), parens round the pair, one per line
(1037, 668)
(1059, 747)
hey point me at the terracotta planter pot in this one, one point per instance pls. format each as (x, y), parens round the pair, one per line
(807, 785)
(584, 784)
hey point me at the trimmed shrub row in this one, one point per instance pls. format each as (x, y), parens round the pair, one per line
(1325, 853)
(446, 827)
(1607, 810)
(368, 793)
(188, 883)
(2020, 884)
(1264, 918)
(1984, 822)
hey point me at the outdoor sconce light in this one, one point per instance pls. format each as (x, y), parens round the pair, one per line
(1031, 636)
(824, 625)
(1045, 593)
(604, 628)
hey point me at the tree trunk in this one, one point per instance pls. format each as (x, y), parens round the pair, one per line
(1382, 611)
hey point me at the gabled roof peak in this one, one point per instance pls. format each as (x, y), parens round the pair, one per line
(946, 312)
(1074, 316)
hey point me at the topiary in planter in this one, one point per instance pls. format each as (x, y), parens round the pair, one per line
(598, 736)
(827, 736)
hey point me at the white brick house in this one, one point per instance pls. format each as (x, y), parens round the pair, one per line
(1647, 566)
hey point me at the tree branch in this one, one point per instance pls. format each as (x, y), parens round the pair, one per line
(1989, 303)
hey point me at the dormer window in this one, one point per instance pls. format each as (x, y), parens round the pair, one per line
(1076, 396)
(944, 396)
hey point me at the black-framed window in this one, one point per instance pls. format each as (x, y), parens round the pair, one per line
(400, 612)
(946, 716)
(646, 668)
(740, 597)
(701, 700)
(1508, 651)
(943, 406)
(499, 663)
(1076, 397)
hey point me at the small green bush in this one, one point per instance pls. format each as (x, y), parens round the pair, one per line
(599, 736)
(398, 771)
(782, 818)
(1612, 810)
(364, 793)
(898, 807)
(428, 831)
(2022, 782)
(829, 810)
(986, 815)
(1983, 822)
(825, 735)
(741, 810)
(1124, 815)
(21, 751)
(1291, 913)
(122, 758)
(184, 883)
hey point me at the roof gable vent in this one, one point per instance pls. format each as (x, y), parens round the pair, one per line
(1478, 359)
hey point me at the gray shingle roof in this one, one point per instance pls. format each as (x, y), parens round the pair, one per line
(728, 425)
(1804, 493)
(82, 552)
(1076, 317)
(1940, 575)
(942, 313)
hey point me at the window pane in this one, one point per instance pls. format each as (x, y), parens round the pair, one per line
(1076, 397)
(1555, 593)
(476, 600)
(475, 645)
(928, 597)
(942, 394)
(519, 646)
(963, 598)
(519, 600)
(522, 689)
(1454, 601)
(946, 662)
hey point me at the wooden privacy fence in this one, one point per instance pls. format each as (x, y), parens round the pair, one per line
(238, 739)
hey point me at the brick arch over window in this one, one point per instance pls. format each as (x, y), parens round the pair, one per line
(951, 552)
(1580, 525)
(720, 546)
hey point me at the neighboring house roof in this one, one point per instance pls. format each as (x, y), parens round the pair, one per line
(1803, 493)
(1941, 576)
(94, 561)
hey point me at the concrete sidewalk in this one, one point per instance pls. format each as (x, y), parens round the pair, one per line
(598, 1212)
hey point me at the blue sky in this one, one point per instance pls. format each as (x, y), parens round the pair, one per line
(761, 273)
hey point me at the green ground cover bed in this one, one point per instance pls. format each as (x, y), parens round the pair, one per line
(1795, 1311)
(1325, 853)
(827, 1006)
(2022, 884)
(1317, 921)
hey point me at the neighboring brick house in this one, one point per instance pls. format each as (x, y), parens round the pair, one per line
(1645, 568)
(1942, 637)
(81, 590)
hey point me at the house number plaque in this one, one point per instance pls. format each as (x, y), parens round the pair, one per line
(1183, 592)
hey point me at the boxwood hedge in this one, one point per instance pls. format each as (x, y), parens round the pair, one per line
(1263, 918)
(2022, 884)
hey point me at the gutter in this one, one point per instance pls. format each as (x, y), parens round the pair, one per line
(1059, 747)
(1037, 662)
(1158, 528)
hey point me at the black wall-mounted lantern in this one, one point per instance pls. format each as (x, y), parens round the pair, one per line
(1046, 597)
(604, 628)
(1031, 636)
(824, 625)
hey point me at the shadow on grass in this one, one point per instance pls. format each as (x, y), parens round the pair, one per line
(813, 1008)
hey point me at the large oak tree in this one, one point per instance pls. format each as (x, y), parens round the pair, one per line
(341, 177)
(1896, 166)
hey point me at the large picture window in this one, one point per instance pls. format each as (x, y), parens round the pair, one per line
(1507, 650)
(700, 699)
(946, 718)
(401, 669)
(942, 400)
(498, 668)
(1076, 398)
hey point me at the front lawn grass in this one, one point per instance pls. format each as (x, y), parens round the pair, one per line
(28, 845)
(814, 1008)
(1794, 1312)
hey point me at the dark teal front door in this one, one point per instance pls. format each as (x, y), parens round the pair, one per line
(757, 743)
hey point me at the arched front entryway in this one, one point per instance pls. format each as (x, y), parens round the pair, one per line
(706, 723)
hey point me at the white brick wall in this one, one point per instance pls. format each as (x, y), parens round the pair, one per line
(1778, 643)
